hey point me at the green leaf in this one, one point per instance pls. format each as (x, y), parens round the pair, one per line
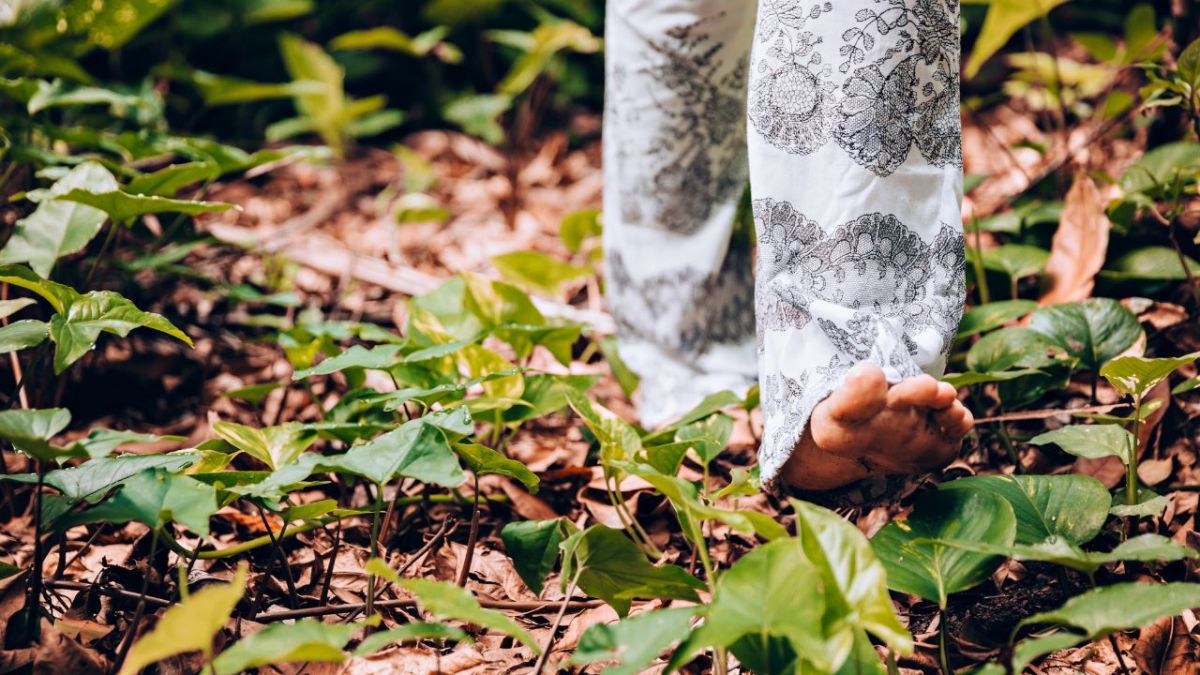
(749, 608)
(1004, 18)
(123, 207)
(477, 114)
(1091, 441)
(549, 38)
(960, 380)
(59, 296)
(274, 446)
(1071, 506)
(30, 431)
(417, 630)
(76, 330)
(618, 439)
(448, 602)
(188, 626)
(620, 370)
(306, 640)
(1093, 331)
(855, 581)
(933, 571)
(483, 460)
(533, 547)
(712, 404)
(538, 271)
(609, 566)
(167, 181)
(1162, 168)
(326, 108)
(1149, 503)
(58, 228)
(24, 334)
(102, 442)
(110, 24)
(217, 90)
(1016, 260)
(10, 307)
(1135, 376)
(417, 449)
(94, 479)
(1014, 348)
(579, 226)
(1060, 551)
(154, 497)
(633, 642)
(1106, 610)
(982, 318)
(708, 437)
(685, 499)
(1151, 263)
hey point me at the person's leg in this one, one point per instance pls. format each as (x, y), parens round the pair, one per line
(856, 177)
(679, 283)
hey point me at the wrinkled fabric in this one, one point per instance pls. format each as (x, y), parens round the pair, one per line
(843, 117)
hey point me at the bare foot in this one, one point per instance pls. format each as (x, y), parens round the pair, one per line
(868, 428)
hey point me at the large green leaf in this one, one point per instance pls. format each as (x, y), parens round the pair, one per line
(305, 641)
(30, 431)
(1106, 610)
(94, 479)
(324, 108)
(102, 442)
(57, 227)
(1135, 375)
(24, 334)
(1072, 506)
(1093, 331)
(915, 564)
(76, 330)
(483, 460)
(1091, 441)
(533, 546)
(1004, 18)
(188, 626)
(1161, 167)
(123, 207)
(538, 272)
(633, 642)
(274, 446)
(609, 566)
(982, 318)
(1016, 260)
(1151, 263)
(380, 357)
(154, 497)
(417, 449)
(167, 181)
(855, 582)
(1060, 551)
(10, 307)
(758, 599)
(448, 602)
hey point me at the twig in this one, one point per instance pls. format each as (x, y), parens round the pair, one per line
(1050, 412)
(359, 606)
(105, 590)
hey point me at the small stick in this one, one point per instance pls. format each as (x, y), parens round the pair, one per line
(562, 611)
(281, 555)
(471, 538)
(359, 606)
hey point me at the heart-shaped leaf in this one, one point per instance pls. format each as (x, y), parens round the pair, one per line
(1060, 551)
(417, 449)
(274, 446)
(448, 602)
(76, 329)
(607, 565)
(1135, 376)
(982, 318)
(1091, 441)
(633, 642)
(533, 546)
(154, 497)
(1093, 331)
(305, 641)
(539, 272)
(483, 460)
(30, 431)
(20, 335)
(1071, 506)
(915, 564)
(749, 613)
(1015, 260)
(58, 228)
(123, 207)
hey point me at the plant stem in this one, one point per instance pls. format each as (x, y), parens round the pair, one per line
(141, 606)
(370, 605)
(32, 608)
(943, 655)
(1131, 492)
(562, 611)
(469, 557)
(281, 555)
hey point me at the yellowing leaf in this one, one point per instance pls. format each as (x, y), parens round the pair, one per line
(1004, 18)
(188, 626)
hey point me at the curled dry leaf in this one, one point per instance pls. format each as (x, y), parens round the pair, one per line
(1166, 648)
(1079, 246)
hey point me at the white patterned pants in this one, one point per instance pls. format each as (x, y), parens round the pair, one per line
(843, 116)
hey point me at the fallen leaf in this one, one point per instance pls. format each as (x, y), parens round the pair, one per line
(1079, 246)
(1165, 648)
